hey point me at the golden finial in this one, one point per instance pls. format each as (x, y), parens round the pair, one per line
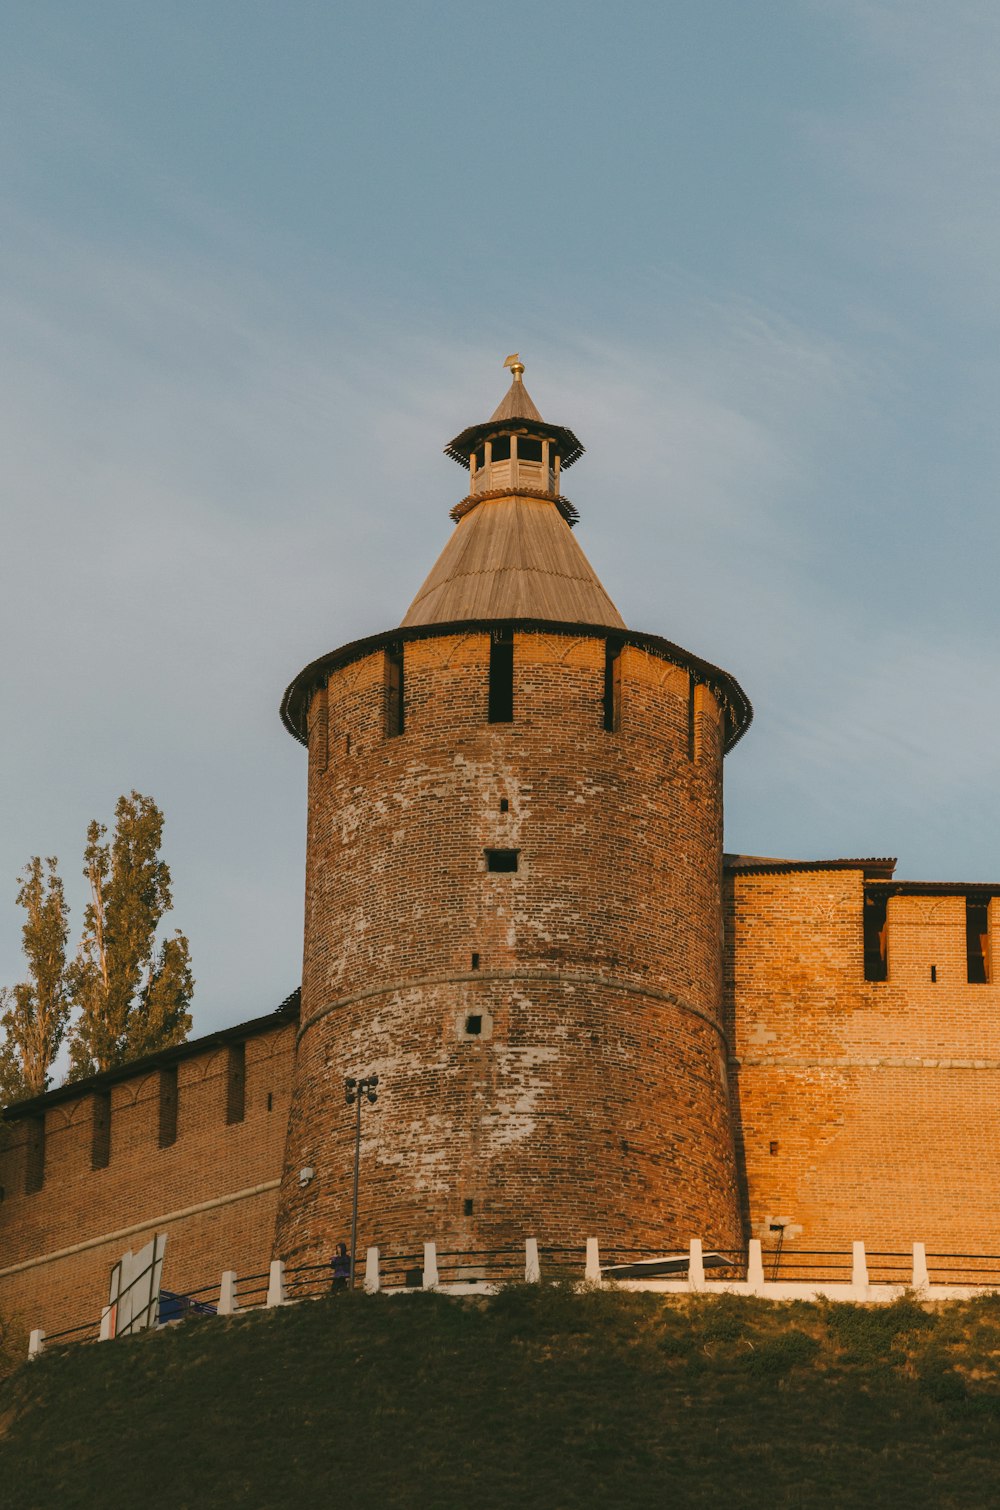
(516, 366)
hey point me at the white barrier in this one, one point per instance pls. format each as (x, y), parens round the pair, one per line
(859, 1288)
(276, 1284)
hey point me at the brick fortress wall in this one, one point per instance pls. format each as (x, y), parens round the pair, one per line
(593, 1100)
(866, 1109)
(229, 1170)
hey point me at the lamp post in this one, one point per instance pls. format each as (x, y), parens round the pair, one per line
(356, 1091)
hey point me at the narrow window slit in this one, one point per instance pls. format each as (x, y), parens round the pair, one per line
(612, 686)
(501, 701)
(875, 931)
(475, 962)
(468, 1207)
(236, 1083)
(395, 691)
(100, 1131)
(977, 939)
(168, 1106)
(34, 1169)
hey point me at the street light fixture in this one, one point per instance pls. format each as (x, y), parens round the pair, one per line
(356, 1092)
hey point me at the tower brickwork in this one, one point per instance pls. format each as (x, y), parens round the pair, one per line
(513, 912)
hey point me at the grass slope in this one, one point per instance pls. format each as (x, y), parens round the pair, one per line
(540, 1397)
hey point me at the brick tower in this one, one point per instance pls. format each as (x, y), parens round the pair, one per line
(513, 900)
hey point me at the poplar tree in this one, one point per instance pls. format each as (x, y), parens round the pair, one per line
(132, 996)
(35, 1013)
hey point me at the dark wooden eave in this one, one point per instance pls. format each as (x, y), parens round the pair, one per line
(875, 867)
(736, 705)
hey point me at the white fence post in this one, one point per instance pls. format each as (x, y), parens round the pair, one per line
(755, 1266)
(228, 1302)
(430, 1266)
(36, 1342)
(276, 1283)
(696, 1266)
(921, 1277)
(532, 1268)
(373, 1282)
(859, 1267)
(592, 1270)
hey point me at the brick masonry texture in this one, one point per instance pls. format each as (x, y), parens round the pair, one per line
(882, 1098)
(142, 1183)
(593, 1101)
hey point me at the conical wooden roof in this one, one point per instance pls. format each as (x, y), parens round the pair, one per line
(516, 403)
(513, 558)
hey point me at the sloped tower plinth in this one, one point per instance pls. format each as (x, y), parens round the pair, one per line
(513, 909)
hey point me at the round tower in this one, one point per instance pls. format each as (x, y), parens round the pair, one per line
(513, 900)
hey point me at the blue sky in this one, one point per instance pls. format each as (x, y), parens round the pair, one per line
(258, 262)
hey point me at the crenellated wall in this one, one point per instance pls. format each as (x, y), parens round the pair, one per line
(213, 1190)
(863, 1106)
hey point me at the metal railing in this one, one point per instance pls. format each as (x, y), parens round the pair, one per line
(853, 1272)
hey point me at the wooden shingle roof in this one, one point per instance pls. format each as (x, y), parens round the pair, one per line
(513, 558)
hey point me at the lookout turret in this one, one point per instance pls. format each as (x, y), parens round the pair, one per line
(513, 900)
(515, 449)
(513, 554)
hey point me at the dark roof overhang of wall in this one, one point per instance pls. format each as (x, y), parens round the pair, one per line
(874, 867)
(936, 888)
(287, 1012)
(736, 705)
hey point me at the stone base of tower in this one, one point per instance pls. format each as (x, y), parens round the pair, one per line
(527, 1104)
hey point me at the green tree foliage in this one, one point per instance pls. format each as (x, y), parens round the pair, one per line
(36, 1012)
(132, 997)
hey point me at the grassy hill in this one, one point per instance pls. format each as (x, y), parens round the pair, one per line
(540, 1397)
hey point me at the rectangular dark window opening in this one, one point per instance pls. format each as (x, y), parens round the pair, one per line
(168, 1106)
(100, 1131)
(34, 1168)
(394, 691)
(977, 939)
(501, 448)
(501, 710)
(501, 859)
(468, 1207)
(528, 449)
(876, 955)
(474, 1026)
(504, 805)
(933, 974)
(270, 1101)
(236, 1083)
(475, 962)
(612, 686)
